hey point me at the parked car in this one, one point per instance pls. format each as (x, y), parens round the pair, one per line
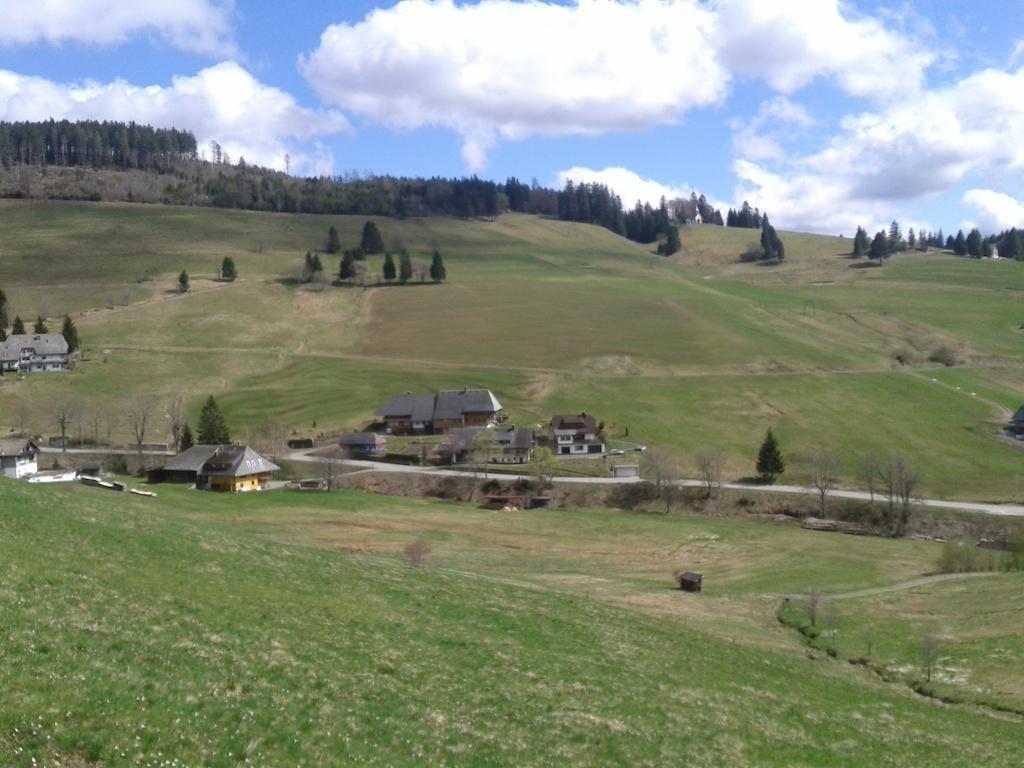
(615, 452)
(640, 448)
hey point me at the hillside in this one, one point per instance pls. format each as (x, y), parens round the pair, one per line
(285, 628)
(697, 350)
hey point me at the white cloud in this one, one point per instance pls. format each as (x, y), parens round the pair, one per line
(789, 43)
(510, 70)
(628, 185)
(912, 150)
(777, 120)
(996, 211)
(223, 103)
(201, 26)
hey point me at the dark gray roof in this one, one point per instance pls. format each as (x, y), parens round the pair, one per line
(16, 446)
(42, 343)
(447, 404)
(1018, 417)
(518, 437)
(237, 461)
(192, 459)
(582, 422)
(461, 439)
(361, 438)
(412, 407)
(452, 404)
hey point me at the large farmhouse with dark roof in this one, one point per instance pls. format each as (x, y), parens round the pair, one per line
(33, 353)
(218, 468)
(447, 410)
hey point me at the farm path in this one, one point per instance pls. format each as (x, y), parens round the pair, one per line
(903, 586)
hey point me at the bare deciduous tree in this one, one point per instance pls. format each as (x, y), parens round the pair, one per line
(139, 414)
(899, 482)
(709, 466)
(930, 649)
(659, 467)
(176, 421)
(416, 552)
(870, 467)
(543, 464)
(813, 599)
(824, 467)
(65, 410)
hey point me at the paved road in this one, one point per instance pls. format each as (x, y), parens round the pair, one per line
(1001, 510)
(103, 451)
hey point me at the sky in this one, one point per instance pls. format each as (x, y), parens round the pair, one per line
(825, 114)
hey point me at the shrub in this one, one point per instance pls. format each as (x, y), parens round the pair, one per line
(943, 355)
(415, 552)
(633, 495)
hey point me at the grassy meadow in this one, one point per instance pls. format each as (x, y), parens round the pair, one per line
(693, 351)
(286, 628)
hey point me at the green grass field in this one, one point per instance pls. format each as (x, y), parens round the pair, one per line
(285, 628)
(697, 350)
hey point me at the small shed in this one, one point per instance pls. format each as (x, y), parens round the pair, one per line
(690, 582)
(626, 470)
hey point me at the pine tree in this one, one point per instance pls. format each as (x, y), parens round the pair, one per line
(960, 244)
(183, 282)
(973, 244)
(404, 266)
(70, 334)
(951, 243)
(372, 241)
(40, 326)
(333, 241)
(438, 273)
(389, 268)
(879, 247)
(228, 271)
(315, 264)
(347, 269)
(187, 441)
(770, 463)
(911, 239)
(213, 429)
(860, 243)
(672, 242)
(895, 237)
(3, 310)
(18, 328)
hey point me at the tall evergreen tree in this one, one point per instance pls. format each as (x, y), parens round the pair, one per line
(213, 429)
(960, 244)
(333, 241)
(347, 269)
(438, 273)
(404, 266)
(4, 320)
(770, 463)
(879, 247)
(672, 242)
(860, 243)
(228, 270)
(389, 268)
(187, 441)
(973, 243)
(895, 238)
(70, 334)
(18, 327)
(183, 282)
(40, 326)
(372, 241)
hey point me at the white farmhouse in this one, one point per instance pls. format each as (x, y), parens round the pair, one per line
(32, 353)
(18, 457)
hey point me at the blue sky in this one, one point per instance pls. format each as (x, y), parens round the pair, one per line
(826, 114)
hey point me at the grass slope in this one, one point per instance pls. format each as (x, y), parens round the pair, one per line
(193, 628)
(551, 315)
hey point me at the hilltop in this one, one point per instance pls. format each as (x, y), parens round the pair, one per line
(690, 351)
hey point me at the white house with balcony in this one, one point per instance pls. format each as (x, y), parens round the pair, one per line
(577, 435)
(33, 353)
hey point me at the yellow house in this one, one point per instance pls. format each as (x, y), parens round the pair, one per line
(235, 468)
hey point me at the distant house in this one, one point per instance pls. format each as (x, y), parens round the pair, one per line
(511, 446)
(434, 414)
(185, 467)
(236, 468)
(577, 435)
(18, 457)
(1017, 422)
(217, 468)
(363, 445)
(33, 353)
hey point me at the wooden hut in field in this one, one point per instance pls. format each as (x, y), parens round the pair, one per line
(690, 582)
